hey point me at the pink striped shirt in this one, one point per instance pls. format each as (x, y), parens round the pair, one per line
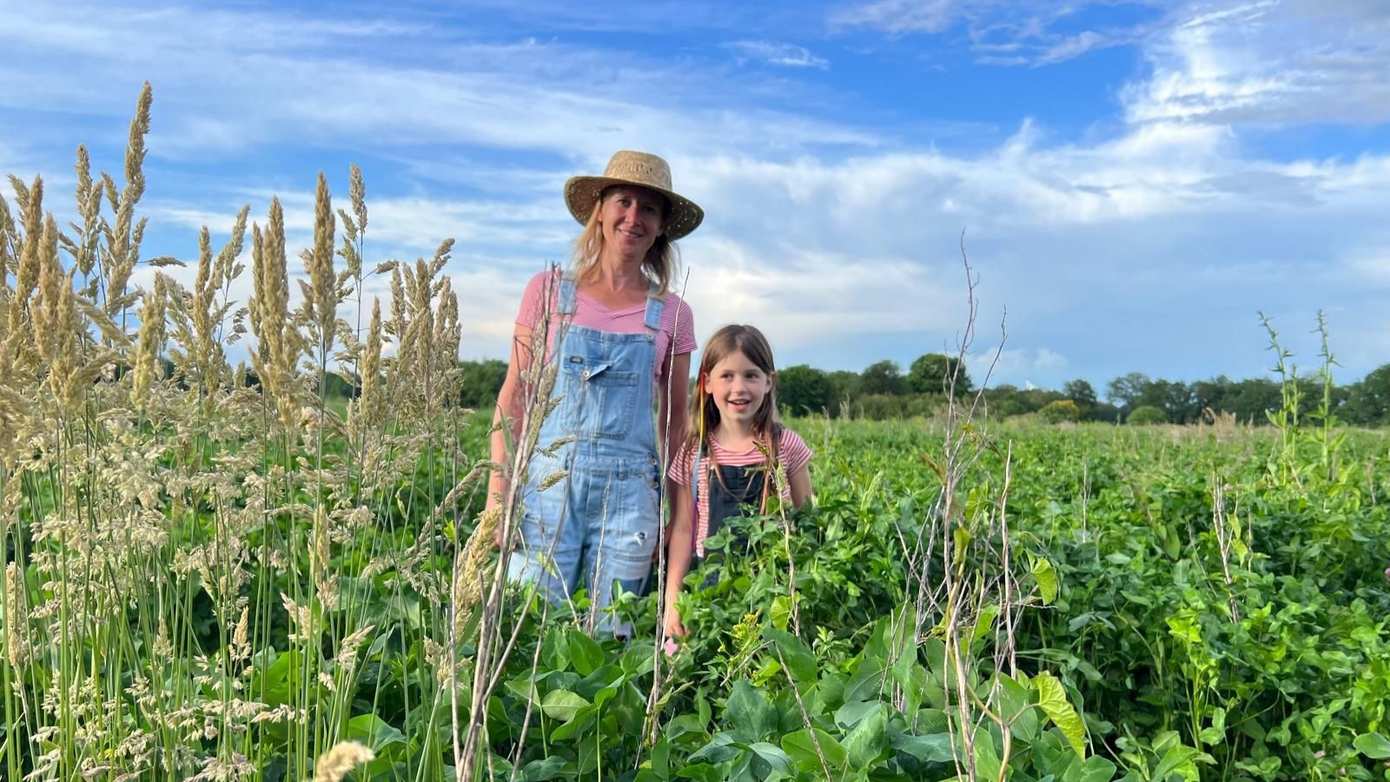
(792, 452)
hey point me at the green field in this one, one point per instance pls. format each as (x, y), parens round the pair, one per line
(224, 573)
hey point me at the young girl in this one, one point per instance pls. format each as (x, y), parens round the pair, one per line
(735, 446)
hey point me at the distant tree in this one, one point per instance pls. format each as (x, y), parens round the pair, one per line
(480, 381)
(1250, 399)
(1081, 392)
(1146, 414)
(1060, 410)
(1212, 394)
(1173, 397)
(1126, 391)
(882, 377)
(844, 388)
(931, 372)
(1368, 402)
(802, 389)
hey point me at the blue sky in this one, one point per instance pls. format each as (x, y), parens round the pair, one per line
(1135, 180)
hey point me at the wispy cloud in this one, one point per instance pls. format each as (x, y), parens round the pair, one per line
(1031, 33)
(1270, 62)
(774, 53)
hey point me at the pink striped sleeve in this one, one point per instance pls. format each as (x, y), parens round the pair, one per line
(793, 451)
(680, 466)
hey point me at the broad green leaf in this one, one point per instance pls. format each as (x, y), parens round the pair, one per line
(749, 713)
(562, 705)
(719, 749)
(1180, 760)
(935, 748)
(1372, 745)
(1052, 699)
(802, 749)
(850, 714)
(1095, 769)
(1016, 709)
(800, 662)
(584, 652)
(373, 731)
(773, 756)
(987, 763)
(868, 739)
(553, 767)
(1046, 576)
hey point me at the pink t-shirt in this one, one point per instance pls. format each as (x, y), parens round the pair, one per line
(792, 452)
(677, 320)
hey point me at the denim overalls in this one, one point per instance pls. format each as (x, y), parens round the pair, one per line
(600, 522)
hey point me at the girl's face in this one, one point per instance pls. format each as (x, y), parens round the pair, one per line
(738, 388)
(630, 218)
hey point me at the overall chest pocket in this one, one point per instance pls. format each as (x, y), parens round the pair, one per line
(601, 396)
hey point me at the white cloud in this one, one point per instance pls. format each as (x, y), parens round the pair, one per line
(1269, 62)
(774, 53)
(898, 17)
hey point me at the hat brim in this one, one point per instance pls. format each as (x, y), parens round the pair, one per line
(582, 192)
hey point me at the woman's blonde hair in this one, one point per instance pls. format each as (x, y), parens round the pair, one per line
(660, 264)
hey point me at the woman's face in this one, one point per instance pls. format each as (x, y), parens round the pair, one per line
(631, 220)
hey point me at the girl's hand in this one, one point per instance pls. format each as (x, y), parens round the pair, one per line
(673, 627)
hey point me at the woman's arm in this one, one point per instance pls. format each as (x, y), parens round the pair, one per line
(675, 396)
(679, 548)
(508, 410)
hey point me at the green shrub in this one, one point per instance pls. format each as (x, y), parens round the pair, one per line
(1146, 414)
(1060, 410)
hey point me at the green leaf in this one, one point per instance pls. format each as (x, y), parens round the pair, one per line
(800, 662)
(773, 756)
(935, 748)
(1052, 699)
(1178, 760)
(868, 739)
(1046, 576)
(1095, 769)
(850, 714)
(1372, 745)
(552, 767)
(374, 732)
(750, 714)
(1016, 709)
(987, 762)
(719, 749)
(802, 749)
(585, 654)
(562, 705)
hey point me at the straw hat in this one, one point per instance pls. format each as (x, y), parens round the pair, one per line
(627, 167)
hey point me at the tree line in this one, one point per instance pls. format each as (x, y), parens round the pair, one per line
(883, 391)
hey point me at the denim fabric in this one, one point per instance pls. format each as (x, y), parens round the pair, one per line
(599, 524)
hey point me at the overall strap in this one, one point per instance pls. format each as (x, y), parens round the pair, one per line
(655, 306)
(569, 288)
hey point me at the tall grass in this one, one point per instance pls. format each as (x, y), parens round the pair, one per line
(211, 572)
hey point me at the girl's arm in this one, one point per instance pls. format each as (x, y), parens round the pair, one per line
(679, 548)
(508, 409)
(800, 484)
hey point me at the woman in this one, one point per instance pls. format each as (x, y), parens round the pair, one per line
(623, 343)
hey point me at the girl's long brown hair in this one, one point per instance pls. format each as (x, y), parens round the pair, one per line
(704, 414)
